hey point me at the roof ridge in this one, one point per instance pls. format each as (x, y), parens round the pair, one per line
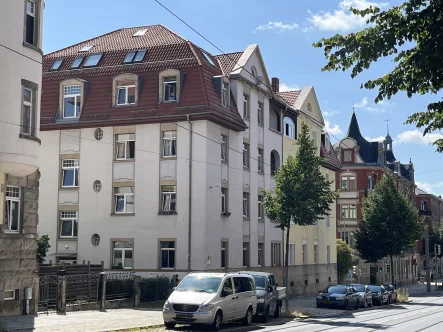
(228, 53)
(172, 31)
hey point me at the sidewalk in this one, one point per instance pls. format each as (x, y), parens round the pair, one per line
(307, 305)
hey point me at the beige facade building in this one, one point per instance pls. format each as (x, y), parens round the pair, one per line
(21, 73)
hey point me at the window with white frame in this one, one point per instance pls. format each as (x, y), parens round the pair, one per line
(224, 200)
(72, 95)
(31, 24)
(70, 173)
(260, 120)
(315, 253)
(348, 182)
(28, 112)
(9, 295)
(275, 254)
(305, 253)
(169, 143)
(291, 253)
(124, 199)
(261, 210)
(122, 254)
(224, 254)
(371, 181)
(126, 94)
(246, 205)
(245, 155)
(328, 253)
(261, 260)
(224, 147)
(167, 254)
(170, 88)
(245, 254)
(225, 94)
(12, 209)
(289, 129)
(169, 198)
(68, 224)
(345, 236)
(260, 160)
(348, 211)
(328, 221)
(347, 155)
(124, 146)
(245, 106)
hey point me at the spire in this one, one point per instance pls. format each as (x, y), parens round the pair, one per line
(354, 128)
(388, 137)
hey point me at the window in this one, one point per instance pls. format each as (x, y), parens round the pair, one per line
(57, 63)
(134, 56)
(227, 287)
(169, 143)
(12, 209)
(261, 261)
(70, 170)
(92, 60)
(275, 162)
(31, 28)
(289, 129)
(276, 254)
(327, 176)
(274, 120)
(261, 212)
(309, 107)
(423, 205)
(253, 71)
(224, 147)
(225, 94)
(170, 88)
(124, 199)
(347, 155)
(169, 198)
(28, 112)
(245, 253)
(327, 143)
(246, 205)
(71, 101)
(348, 211)
(314, 138)
(77, 62)
(140, 33)
(260, 160)
(224, 254)
(126, 95)
(291, 253)
(208, 58)
(122, 254)
(97, 186)
(371, 181)
(68, 224)
(328, 221)
(260, 114)
(9, 295)
(98, 134)
(245, 155)
(224, 200)
(348, 182)
(345, 237)
(315, 253)
(86, 48)
(305, 253)
(245, 106)
(125, 146)
(167, 254)
(328, 253)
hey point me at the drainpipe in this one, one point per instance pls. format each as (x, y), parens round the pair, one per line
(190, 194)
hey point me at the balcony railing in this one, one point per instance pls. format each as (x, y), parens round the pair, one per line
(425, 213)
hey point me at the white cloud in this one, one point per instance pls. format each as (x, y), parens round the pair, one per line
(416, 137)
(375, 139)
(341, 19)
(277, 26)
(332, 129)
(286, 87)
(373, 107)
(330, 113)
(431, 188)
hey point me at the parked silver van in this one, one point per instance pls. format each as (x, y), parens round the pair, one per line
(211, 299)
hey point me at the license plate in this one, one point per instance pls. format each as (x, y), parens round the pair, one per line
(184, 316)
(327, 302)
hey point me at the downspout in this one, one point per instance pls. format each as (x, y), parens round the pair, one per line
(190, 194)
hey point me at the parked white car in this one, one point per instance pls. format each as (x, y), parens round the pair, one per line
(211, 299)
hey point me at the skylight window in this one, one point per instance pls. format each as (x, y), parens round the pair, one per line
(134, 56)
(77, 62)
(208, 58)
(86, 48)
(92, 60)
(57, 63)
(140, 33)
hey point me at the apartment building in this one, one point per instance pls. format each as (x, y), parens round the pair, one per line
(312, 249)
(363, 164)
(153, 155)
(21, 72)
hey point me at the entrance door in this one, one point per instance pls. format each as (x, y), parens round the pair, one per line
(373, 276)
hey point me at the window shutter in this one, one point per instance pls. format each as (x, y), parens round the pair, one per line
(182, 79)
(139, 88)
(85, 90)
(218, 84)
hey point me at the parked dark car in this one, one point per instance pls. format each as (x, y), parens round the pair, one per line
(379, 294)
(364, 293)
(392, 293)
(341, 296)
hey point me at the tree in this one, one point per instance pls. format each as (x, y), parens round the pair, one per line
(390, 223)
(410, 34)
(42, 248)
(301, 194)
(344, 259)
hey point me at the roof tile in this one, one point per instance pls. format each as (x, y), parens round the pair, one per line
(289, 96)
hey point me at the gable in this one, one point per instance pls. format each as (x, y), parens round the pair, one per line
(308, 97)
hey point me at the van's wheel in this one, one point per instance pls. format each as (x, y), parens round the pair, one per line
(277, 311)
(218, 320)
(366, 303)
(169, 325)
(247, 321)
(266, 316)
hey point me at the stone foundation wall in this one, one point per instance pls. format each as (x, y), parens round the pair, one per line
(18, 265)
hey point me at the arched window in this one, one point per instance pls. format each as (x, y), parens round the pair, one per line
(253, 71)
(289, 127)
(275, 162)
(274, 120)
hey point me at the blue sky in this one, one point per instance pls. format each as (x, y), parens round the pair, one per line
(285, 31)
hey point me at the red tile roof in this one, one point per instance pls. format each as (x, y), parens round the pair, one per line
(228, 61)
(331, 157)
(289, 96)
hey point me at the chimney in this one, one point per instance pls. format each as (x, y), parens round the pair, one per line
(275, 84)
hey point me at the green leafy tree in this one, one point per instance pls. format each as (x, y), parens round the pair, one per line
(42, 248)
(411, 35)
(301, 194)
(390, 223)
(344, 259)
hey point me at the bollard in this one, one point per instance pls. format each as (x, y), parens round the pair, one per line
(102, 294)
(137, 282)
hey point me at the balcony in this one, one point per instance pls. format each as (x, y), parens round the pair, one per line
(425, 213)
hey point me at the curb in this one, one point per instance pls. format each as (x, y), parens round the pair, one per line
(135, 328)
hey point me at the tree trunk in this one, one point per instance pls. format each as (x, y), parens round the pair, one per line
(392, 270)
(286, 274)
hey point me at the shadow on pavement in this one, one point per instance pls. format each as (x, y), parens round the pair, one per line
(253, 327)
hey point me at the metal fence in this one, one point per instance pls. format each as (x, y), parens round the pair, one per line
(82, 288)
(48, 292)
(155, 289)
(119, 285)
